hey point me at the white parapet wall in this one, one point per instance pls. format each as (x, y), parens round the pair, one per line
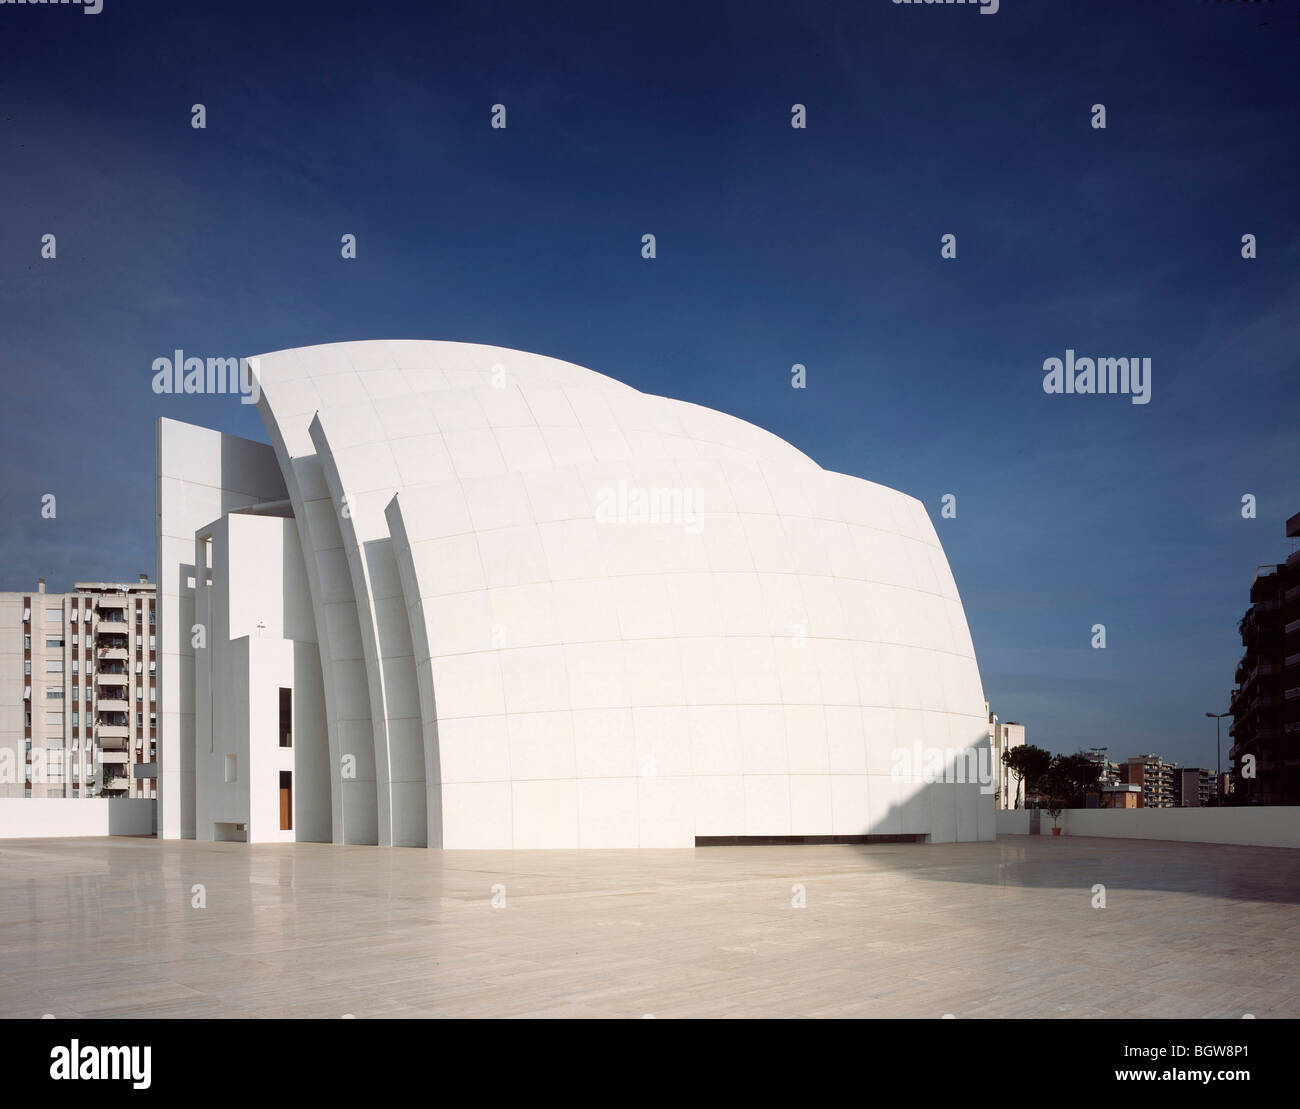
(1256, 826)
(48, 817)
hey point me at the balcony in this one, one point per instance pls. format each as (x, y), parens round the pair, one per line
(113, 678)
(114, 758)
(113, 742)
(111, 653)
(111, 602)
(112, 731)
(113, 703)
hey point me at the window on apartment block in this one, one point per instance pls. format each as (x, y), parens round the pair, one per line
(54, 693)
(54, 615)
(231, 768)
(54, 666)
(27, 643)
(27, 666)
(286, 717)
(54, 643)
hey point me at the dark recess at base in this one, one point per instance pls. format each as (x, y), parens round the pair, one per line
(776, 841)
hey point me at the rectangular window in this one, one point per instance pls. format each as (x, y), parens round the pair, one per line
(27, 666)
(286, 801)
(54, 643)
(230, 768)
(54, 666)
(286, 717)
(153, 643)
(27, 643)
(153, 696)
(54, 718)
(74, 665)
(54, 693)
(54, 615)
(74, 639)
(75, 720)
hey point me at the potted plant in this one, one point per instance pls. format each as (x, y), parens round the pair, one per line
(1055, 804)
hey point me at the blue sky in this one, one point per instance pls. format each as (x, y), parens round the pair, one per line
(775, 246)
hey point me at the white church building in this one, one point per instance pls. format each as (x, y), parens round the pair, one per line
(469, 597)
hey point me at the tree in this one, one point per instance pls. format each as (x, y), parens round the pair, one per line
(1029, 764)
(1068, 781)
(1078, 776)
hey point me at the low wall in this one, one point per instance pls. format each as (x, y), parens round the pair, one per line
(1262, 826)
(44, 817)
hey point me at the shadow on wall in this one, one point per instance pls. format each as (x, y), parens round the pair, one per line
(132, 816)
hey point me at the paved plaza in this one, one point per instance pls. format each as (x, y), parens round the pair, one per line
(108, 928)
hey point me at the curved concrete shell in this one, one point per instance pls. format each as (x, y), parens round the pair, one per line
(554, 611)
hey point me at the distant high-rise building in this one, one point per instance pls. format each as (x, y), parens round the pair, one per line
(78, 689)
(1191, 785)
(1154, 775)
(1107, 771)
(1266, 701)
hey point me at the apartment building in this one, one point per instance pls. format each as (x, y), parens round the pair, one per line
(78, 691)
(1266, 701)
(1187, 787)
(1107, 771)
(1154, 775)
(1003, 737)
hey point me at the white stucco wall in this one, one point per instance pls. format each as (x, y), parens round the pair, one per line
(46, 817)
(260, 638)
(582, 682)
(199, 474)
(1257, 826)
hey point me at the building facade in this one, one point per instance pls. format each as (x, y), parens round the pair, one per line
(1002, 738)
(1154, 775)
(78, 691)
(1265, 703)
(543, 609)
(1187, 787)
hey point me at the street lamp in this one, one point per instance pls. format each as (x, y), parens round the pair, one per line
(1218, 777)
